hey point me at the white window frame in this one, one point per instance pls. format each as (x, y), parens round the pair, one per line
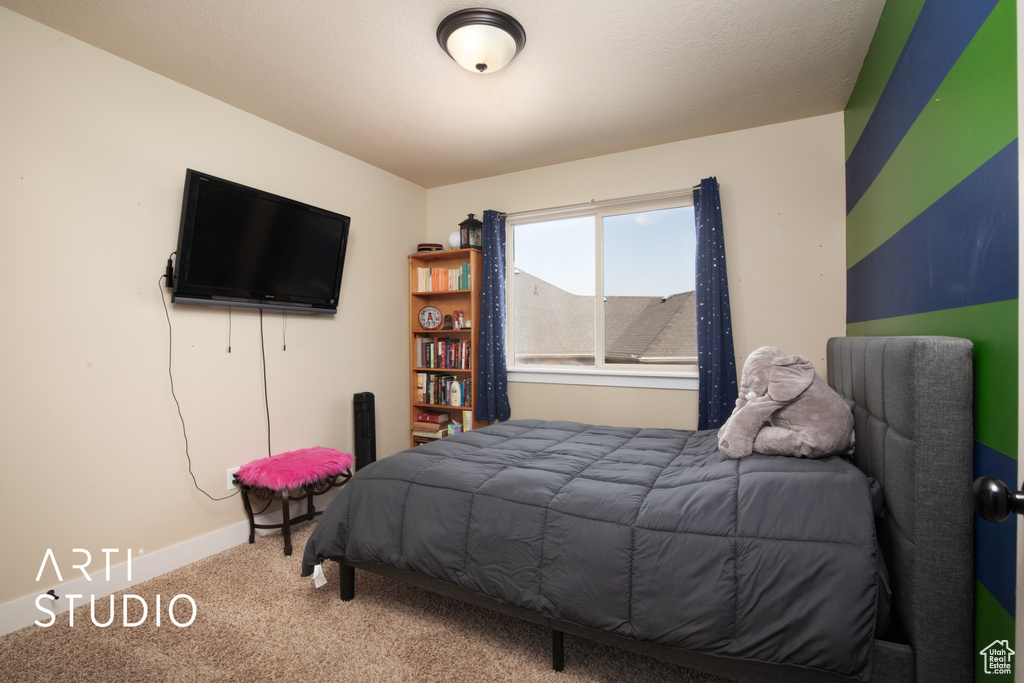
(601, 374)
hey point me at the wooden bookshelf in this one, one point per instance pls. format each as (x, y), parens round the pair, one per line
(448, 281)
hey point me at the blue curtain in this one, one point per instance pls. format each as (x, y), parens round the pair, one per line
(716, 361)
(492, 376)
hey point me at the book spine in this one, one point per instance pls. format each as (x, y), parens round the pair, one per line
(464, 355)
(430, 426)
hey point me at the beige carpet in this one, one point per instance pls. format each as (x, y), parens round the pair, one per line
(258, 620)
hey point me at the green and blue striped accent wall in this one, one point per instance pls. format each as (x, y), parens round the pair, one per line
(932, 226)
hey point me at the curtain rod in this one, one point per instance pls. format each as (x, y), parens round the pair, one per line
(601, 202)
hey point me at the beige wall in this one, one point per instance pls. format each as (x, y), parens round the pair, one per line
(94, 152)
(782, 190)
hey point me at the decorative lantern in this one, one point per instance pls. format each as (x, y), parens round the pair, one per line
(472, 232)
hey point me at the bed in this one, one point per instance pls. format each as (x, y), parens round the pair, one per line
(762, 568)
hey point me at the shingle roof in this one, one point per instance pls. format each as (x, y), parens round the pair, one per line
(651, 327)
(555, 324)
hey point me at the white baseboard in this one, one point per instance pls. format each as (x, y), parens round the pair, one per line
(23, 612)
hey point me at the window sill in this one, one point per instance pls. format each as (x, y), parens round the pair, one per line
(606, 378)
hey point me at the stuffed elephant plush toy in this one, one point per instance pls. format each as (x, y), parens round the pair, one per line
(786, 408)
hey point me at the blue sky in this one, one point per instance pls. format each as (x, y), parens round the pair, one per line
(649, 253)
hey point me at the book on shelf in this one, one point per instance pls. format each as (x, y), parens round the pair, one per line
(441, 389)
(444, 353)
(430, 426)
(431, 416)
(431, 431)
(426, 434)
(443, 279)
(421, 387)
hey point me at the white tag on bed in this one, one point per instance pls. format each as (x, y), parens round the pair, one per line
(319, 580)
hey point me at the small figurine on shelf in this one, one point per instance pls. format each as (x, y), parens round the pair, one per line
(457, 319)
(447, 323)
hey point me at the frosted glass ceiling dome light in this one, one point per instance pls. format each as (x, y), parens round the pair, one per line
(481, 40)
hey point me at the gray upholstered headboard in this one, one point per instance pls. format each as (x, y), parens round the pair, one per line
(912, 399)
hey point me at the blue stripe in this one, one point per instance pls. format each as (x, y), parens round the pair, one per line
(942, 32)
(960, 251)
(995, 543)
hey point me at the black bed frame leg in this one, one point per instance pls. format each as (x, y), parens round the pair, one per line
(348, 581)
(557, 650)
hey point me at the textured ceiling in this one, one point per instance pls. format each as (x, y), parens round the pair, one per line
(596, 76)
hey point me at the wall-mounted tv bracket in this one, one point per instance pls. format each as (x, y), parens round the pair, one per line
(995, 501)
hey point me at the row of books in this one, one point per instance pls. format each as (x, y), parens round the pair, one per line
(443, 389)
(443, 353)
(443, 279)
(431, 425)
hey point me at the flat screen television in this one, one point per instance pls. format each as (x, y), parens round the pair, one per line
(239, 246)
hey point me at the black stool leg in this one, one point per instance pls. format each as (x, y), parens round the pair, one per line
(286, 523)
(244, 490)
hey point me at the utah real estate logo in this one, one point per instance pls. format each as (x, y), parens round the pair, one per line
(998, 657)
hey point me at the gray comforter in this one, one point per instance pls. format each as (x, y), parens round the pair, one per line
(647, 533)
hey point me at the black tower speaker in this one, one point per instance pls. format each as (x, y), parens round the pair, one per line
(366, 429)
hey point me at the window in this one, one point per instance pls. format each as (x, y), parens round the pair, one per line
(604, 289)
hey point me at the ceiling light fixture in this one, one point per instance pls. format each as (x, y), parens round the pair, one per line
(481, 40)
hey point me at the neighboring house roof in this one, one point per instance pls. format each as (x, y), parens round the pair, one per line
(553, 325)
(651, 327)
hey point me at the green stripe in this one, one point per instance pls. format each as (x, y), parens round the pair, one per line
(993, 329)
(894, 26)
(972, 116)
(991, 623)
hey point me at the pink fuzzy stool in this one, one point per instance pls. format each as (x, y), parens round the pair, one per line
(314, 470)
